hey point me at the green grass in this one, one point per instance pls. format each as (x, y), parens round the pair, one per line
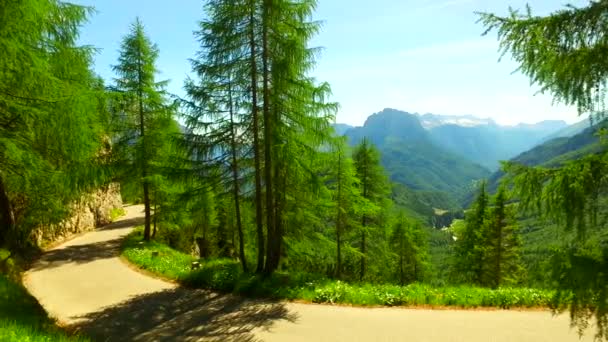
(116, 213)
(226, 275)
(23, 319)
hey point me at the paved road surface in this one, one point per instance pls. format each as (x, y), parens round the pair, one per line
(85, 285)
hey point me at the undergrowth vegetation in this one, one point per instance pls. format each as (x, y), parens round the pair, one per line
(115, 213)
(23, 319)
(226, 275)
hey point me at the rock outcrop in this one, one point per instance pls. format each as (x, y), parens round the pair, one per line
(91, 211)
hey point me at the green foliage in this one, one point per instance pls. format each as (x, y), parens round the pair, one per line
(115, 213)
(409, 243)
(561, 52)
(374, 188)
(424, 295)
(423, 205)
(488, 245)
(50, 116)
(168, 262)
(502, 244)
(141, 115)
(470, 249)
(227, 276)
(23, 319)
(564, 53)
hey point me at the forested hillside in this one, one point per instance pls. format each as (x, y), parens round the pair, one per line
(487, 145)
(558, 151)
(412, 158)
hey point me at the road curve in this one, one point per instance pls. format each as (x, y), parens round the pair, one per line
(85, 285)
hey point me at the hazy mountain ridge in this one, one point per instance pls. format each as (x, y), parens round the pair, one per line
(571, 130)
(479, 140)
(412, 158)
(429, 120)
(555, 152)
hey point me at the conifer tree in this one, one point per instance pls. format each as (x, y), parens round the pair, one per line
(563, 53)
(408, 243)
(346, 197)
(50, 122)
(502, 245)
(470, 248)
(255, 52)
(141, 102)
(374, 188)
(296, 115)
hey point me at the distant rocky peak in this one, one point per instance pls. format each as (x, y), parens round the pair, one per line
(429, 120)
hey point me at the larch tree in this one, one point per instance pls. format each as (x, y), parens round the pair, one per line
(564, 54)
(296, 116)
(50, 124)
(502, 244)
(409, 243)
(219, 107)
(470, 249)
(346, 197)
(141, 102)
(374, 188)
(254, 94)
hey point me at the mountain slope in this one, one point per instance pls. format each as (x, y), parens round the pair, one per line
(570, 131)
(557, 151)
(488, 144)
(412, 158)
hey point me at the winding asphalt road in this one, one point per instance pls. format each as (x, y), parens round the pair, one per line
(87, 287)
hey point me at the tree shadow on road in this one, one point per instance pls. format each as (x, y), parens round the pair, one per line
(183, 315)
(87, 252)
(124, 223)
(78, 254)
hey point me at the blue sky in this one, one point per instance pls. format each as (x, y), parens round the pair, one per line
(425, 56)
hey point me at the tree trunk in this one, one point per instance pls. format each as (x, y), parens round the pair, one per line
(268, 137)
(256, 142)
(362, 271)
(235, 186)
(7, 218)
(155, 215)
(401, 275)
(143, 160)
(339, 252)
(146, 209)
(363, 219)
(339, 219)
(498, 255)
(280, 202)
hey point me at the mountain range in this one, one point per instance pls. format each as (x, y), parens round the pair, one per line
(439, 158)
(481, 141)
(410, 155)
(558, 150)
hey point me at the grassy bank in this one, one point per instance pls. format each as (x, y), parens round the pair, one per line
(23, 319)
(226, 275)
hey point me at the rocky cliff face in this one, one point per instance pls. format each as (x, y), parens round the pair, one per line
(91, 211)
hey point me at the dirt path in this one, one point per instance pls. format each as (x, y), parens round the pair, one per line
(85, 285)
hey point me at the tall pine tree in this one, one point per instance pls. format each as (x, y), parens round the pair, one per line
(502, 244)
(141, 102)
(374, 188)
(50, 118)
(470, 248)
